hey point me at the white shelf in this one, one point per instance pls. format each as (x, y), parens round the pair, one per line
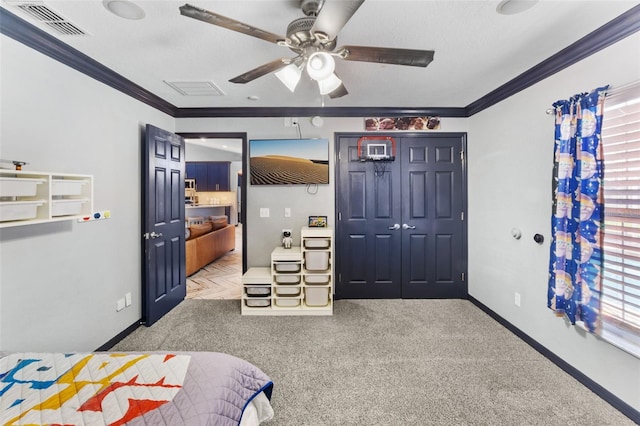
(309, 291)
(28, 198)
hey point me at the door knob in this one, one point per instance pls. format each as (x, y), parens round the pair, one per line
(155, 235)
(405, 226)
(394, 227)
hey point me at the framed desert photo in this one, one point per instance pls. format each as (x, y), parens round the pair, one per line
(289, 161)
(317, 221)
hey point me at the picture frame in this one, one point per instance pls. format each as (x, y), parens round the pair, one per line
(317, 221)
(289, 161)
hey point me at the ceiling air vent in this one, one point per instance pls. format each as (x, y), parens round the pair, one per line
(196, 88)
(43, 14)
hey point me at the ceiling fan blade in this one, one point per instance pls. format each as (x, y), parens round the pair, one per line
(385, 55)
(339, 92)
(228, 23)
(334, 15)
(262, 70)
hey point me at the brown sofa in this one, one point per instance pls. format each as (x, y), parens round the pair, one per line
(207, 241)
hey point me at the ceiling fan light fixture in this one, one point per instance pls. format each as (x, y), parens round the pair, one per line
(124, 9)
(290, 76)
(329, 84)
(320, 66)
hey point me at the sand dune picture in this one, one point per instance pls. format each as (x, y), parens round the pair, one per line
(289, 162)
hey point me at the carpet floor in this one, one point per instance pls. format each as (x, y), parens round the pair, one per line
(386, 362)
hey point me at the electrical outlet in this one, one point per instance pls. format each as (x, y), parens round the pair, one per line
(517, 299)
(120, 305)
(287, 212)
(127, 299)
(264, 211)
(294, 121)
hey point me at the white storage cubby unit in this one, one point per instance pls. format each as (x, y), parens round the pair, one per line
(256, 290)
(300, 279)
(28, 197)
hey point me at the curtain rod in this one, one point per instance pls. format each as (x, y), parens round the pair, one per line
(612, 92)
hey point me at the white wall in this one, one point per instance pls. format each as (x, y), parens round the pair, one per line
(510, 167)
(265, 233)
(59, 282)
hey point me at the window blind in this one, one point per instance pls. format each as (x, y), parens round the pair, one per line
(620, 302)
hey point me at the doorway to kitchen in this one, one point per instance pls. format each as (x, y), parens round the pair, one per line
(215, 164)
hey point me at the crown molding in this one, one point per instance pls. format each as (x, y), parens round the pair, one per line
(615, 30)
(20, 30)
(39, 40)
(320, 111)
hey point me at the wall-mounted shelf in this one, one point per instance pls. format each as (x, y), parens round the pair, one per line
(298, 282)
(28, 197)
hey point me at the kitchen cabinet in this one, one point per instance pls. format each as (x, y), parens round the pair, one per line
(209, 175)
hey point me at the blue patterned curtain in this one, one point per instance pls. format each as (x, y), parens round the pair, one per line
(578, 210)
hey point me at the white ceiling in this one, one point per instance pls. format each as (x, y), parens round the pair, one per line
(476, 49)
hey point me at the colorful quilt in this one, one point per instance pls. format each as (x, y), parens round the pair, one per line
(104, 388)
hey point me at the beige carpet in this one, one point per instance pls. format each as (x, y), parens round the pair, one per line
(386, 362)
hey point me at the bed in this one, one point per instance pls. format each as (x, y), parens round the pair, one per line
(147, 388)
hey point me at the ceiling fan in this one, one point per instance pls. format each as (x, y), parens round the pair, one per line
(313, 39)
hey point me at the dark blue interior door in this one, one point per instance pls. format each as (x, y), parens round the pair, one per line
(400, 229)
(369, 238)
(433, 255)
(164, 278)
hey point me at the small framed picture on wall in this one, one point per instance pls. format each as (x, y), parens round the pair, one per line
(317, 221)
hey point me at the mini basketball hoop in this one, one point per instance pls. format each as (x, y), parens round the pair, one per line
(376, 148)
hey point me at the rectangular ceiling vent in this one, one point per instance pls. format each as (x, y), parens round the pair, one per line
(43, 14)
(196, 88)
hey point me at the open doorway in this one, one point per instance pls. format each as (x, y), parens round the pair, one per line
(215, 196)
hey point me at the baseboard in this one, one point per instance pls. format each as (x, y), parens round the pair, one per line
(111, 343)
(616, 402)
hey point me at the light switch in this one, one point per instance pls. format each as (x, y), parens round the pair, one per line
(287, 212)
(264, 212)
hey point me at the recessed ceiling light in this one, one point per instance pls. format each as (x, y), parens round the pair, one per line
(124, 9)
(511, 7)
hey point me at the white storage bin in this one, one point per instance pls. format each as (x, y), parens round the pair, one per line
(288, 291)
(257, 303)
(67, 186)
(316, 296)
(317, 243)
(67, 207)
(257, 275)
(287, 302)
(18, 187)
(287, 267)
(316, 279)
(19, 210)
(287, 279)
(257, 290)
(316, 261)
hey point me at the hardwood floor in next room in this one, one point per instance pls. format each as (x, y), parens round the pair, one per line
(221, 279)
